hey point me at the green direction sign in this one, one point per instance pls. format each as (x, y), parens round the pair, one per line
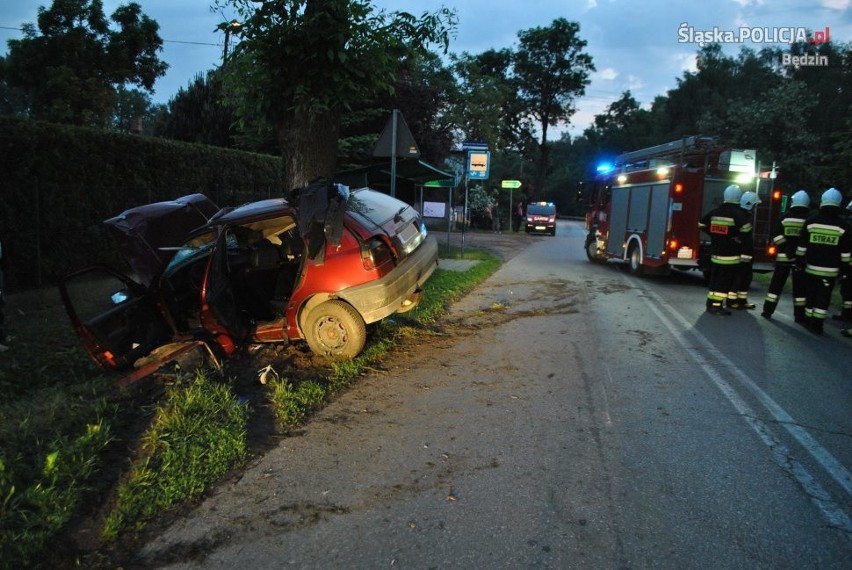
(510, 184)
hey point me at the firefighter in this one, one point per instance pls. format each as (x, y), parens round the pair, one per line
(824, 249)
(846, 284)
(723, 224)
(786, 239)
(742, 282)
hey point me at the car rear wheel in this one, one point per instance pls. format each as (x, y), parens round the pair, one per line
(335, 329)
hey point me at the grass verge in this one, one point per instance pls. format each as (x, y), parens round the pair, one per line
(59, 415)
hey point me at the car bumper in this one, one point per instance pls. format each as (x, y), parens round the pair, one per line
(540, 228)
(378, 299)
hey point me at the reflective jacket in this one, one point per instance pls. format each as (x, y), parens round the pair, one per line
(787, 231)
(825, 245)
(724, 224)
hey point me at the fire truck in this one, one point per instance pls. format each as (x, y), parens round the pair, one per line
(644, 208)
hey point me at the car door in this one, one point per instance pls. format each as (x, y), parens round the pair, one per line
(117, 319)
(221, 314)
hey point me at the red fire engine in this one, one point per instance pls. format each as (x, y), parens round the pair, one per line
(645, 207)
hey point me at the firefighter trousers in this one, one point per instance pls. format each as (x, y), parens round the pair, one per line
(742, 283)
(776, 286)
(817, 299)
(846, 294)
(722, 276)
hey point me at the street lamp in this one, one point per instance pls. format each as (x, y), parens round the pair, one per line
(234, 26)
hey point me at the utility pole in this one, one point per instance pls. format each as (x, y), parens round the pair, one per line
(234, 26)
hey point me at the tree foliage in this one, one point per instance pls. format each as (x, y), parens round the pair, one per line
(551, 70)
(300, 63)
(197, 113)
(423, 94)
(71, 65)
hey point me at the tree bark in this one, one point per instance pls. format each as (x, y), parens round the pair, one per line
(308, 145)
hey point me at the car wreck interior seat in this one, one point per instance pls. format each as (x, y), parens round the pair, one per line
(261, 276)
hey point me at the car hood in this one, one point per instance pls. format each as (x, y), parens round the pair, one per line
(143, 232)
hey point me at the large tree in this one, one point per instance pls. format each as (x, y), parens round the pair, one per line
(301, 63)
(551, 70)
(197, 114)
(622, 127)
(72, 64)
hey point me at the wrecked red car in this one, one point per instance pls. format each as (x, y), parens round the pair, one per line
(318, 266)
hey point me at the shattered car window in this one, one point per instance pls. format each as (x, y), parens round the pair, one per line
(192, 250)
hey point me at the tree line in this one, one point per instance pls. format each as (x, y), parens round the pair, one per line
(313, 81)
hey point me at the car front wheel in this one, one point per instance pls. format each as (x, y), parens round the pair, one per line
(335, 329)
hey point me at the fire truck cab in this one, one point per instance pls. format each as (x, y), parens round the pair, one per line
(644, 208)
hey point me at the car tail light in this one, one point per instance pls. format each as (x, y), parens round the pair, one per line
(375, 253)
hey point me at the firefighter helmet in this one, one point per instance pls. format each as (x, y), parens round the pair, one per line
(732, 194)
(831, 197)
(801, 198)
(749, 200)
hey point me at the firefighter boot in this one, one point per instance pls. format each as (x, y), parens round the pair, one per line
(799, 314)
(814, 325)
(716, 308)
(768, 309)
(845, 315)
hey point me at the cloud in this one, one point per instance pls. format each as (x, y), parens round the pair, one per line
(634, 82)
(607, 74)
(837, 4)
(686, 61)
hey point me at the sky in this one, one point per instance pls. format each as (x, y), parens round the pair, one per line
(641, 46)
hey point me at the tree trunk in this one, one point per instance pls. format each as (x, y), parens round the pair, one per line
(543, 158)
(308, 145)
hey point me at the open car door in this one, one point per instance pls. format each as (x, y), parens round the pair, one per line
(220, 311)
(117, 321)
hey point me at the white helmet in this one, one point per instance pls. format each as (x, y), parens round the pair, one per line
(749, 200)
(732, 194)
(801, 198)
(831, 197)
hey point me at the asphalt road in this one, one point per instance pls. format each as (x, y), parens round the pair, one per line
(574, 417)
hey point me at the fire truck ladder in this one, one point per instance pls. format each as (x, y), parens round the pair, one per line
(686, 150)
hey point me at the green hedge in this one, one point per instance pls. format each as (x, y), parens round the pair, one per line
(57, 183)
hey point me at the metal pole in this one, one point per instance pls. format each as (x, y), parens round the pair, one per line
(449, 218)
(393, 153)
(464, 215)
(511, 210)
(225, 51)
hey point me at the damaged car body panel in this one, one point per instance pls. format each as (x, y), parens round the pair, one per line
(267, 271)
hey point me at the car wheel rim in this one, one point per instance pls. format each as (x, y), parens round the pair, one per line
(332, 334)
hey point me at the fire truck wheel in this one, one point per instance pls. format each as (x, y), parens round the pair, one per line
(634, 257)
(592, 250)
